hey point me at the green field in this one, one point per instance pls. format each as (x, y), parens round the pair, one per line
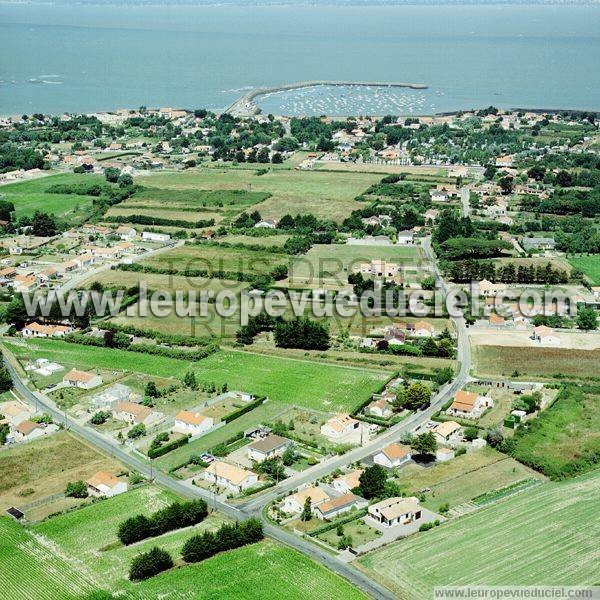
(326, 195)
(590, 265)
(217, 258)
(29, 196)
(32, 570)
(292, 381)
(538, 361)
(565, 438)
(463, 478)
(256, 572)
(547, 535)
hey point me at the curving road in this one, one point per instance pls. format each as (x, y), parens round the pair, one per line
(254, 507)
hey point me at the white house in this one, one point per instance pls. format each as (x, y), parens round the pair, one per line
(347, 482)
(545, 335)
(396, 511)
(423, 329)
(406, 238)
(339, 426)
(340, 505)
(82, 379)
(192, 423)
(380, 408)
(266, 224)
(125, 232)
(44, 331)
(105, 485)
(136, 413)
(392, 456)
(469, 405)
(149, 236)
(229, 476)
(295, 502)
(444, 454)
(267, 447)
(446, 432)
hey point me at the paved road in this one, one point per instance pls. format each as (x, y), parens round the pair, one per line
(255, 506)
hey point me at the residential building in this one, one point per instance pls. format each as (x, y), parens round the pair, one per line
(15, 413)
(378, 268)
(339, 426)
(105, 485)
(487, 288)
(446, 432)
(107, 398)
(136, 413)
(26, 431)
(192, 423)
(538, 243)
(545, 335)
(469, 405)
(295, 502)
(267, 447)
(340, 505)
(125, 232)
(396, 511)
(229, 476)
(82, 379)
(444, 454)
(39, 330)
(347, 482)
(266, 224)
(393, 456)
(149, 236)
(394, 336)
(406, 238)
(380, 408)
(423, 329)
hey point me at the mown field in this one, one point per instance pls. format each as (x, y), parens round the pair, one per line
(32, 471)
(463, 478)
(314, 385)
(590, 265)
(546, 535)
(534, 361)
(217, 258)
(326, 195)
(32, 570)
(29, 196)
(565, 438)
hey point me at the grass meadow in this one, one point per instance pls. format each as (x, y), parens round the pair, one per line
(545, 535)
(326, 195)
(287, 380)
(29, 196)
(590, 265)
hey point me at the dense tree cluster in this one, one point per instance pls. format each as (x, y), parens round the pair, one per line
(301, 332)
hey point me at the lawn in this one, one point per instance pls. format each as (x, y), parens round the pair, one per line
(546, 535)
(255, 572)
(534, 361)
(292, 381)
(590, 265)
(32, 471)
(565, 438)
(326, 195)
(462, 478)
(33, 570)
(217, 258)
(29, 196)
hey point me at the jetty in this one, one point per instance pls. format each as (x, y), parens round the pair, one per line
(246, 105)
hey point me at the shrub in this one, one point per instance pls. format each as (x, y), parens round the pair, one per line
(426, 526)
(76, 489)
(150, 563)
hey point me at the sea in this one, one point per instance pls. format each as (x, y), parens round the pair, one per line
(86, 58)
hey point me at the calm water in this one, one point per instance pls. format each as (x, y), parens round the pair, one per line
(88, 58)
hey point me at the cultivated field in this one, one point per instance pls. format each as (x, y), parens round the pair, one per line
(33, 570)
(255, 572)
(505, 361)
(32, 471)
(326, 195)
(546, 535)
